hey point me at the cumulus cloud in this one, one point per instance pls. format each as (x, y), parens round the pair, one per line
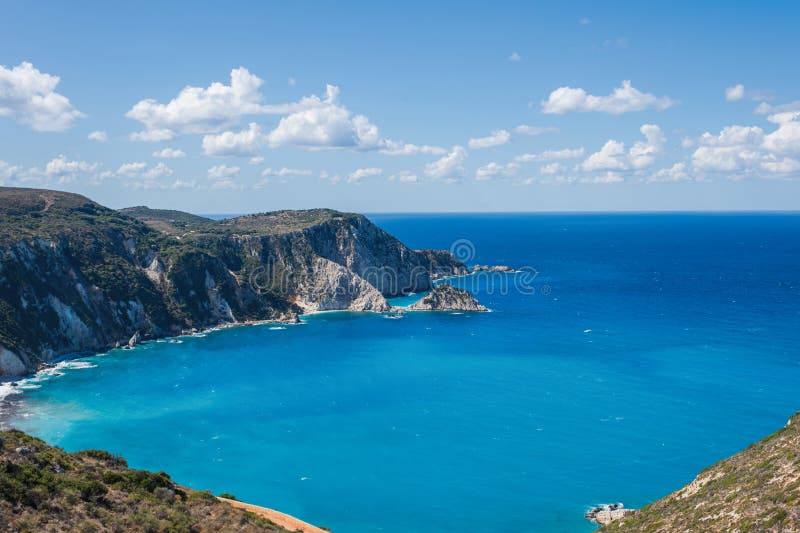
(451, 166)
(257, 160)
(99, 136)
(551, 155)
(786, 139)
(324, 123)
(524, 129)
(222, 171)
(495, 170)
(200, 110)
(623, 99)
(603, 179)
(61, 166)
(765, 109)
(552, 168)
(241, 143)
(361, 173)
(735, 93)
(614, 156)
(29, 97)
(404, 177)
(735, 148)
(284, 172)
(7, 172)
(748, 150)
(169, 153)
(497, 138)
(676, 172)
(143, 170)
(399, 148)
(738, 92)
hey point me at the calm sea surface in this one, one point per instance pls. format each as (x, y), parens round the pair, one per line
(646, 348)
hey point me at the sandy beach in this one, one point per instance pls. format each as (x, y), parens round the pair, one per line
(289, 522)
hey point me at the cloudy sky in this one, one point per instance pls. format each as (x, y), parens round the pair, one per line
(404, 107)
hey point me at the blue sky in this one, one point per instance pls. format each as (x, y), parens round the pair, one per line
(502, 106)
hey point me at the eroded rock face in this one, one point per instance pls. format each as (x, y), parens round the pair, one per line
(76, 276)
(445, 297)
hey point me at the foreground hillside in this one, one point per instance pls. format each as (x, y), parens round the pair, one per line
(757, 489)
(45, 489)
(76, 276)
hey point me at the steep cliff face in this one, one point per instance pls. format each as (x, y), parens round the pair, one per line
(76, 276)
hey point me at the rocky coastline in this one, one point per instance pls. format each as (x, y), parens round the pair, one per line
(79, 278)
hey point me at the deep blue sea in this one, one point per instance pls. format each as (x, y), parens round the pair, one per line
(647, 348)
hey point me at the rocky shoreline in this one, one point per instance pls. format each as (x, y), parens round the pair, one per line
(76, 277)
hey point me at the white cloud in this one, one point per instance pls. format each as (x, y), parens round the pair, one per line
(676, 172)
(257, 160)
(738, 92)
(551, 155)
(786, 139)
(603, 179)
(99, 136)
(735, 148)
(449, 166)
(497, 138)
(361, 173)
(242, 143)
(778, 165)
(200, 110)
(169, 153)
(735, 93)
(222, 171)
(515, 57)
(495, 170)
(283, 172)
(155, 135)
(622, 100)
(28, 96)
(614, 156)
(552, 168)
(324, 123)
(397, 148)
(61, 166)
(524, 129)
(404, 177)
(765, 109)
(643, 153)
(7, 172)
(142, 170)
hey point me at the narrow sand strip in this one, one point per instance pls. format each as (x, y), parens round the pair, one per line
(284, 520)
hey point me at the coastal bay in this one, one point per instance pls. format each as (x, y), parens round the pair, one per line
(549, 419)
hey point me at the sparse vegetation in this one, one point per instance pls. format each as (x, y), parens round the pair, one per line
(757, 489)
(43, 488)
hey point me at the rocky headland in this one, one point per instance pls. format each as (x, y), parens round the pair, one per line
(79, 277)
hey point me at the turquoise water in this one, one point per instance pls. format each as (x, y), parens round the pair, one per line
(653, 346)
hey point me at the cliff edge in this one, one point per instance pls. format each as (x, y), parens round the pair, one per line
(79, 277)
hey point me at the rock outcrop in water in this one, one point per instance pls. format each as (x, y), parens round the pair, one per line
(78, 277)
(445, 297)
